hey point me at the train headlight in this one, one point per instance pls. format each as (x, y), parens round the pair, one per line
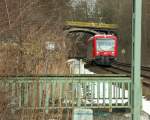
(113, 53)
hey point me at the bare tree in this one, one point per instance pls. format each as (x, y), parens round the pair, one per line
(29, 25)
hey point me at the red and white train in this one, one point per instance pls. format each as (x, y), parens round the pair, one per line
(102, 49)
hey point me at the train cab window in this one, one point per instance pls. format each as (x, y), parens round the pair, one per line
(106, 44)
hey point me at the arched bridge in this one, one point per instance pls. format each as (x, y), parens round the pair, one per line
(90, 31)
(89, 27)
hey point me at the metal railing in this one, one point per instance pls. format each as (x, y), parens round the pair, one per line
(84, 91)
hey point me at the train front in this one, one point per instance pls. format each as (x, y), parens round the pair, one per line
(105, 49)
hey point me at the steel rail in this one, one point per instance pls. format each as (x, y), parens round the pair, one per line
(147, 77)
(145, 68)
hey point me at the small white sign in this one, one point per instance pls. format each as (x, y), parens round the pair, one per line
(50, 45)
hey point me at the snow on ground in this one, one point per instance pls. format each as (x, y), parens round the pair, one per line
(146, 105)
(77, 67)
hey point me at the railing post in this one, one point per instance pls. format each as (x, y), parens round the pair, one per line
(110, 96)
(136, 56)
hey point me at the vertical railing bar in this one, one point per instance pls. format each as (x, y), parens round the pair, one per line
(73, 93)
(2, 83)
(124, 93)
(67, 92)
(29, 94)
(26, 96)
(33, 92)
(119, 90)
(40, 92)
(53, 92)
(47, 96)
(98, 93)
(90, 93)
(9, 88)
(79, 94)
(110, 94)
(70, 93)
(84, 91)
(5, 85)
(63, 93)
(52, 87)
(129, 92)
(122, 86)
(13, 90)
(114, 91)
(92, 88)
(65, 98)
(24, 93)
(125, 85)
(16, 91)
(60, 93)
(19, 93)
(104, 93)
(117, 93)
(91, 97)
(100, 83)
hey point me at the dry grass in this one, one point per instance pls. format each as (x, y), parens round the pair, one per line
(23, 48)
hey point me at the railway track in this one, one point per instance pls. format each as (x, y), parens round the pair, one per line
(143, 68)
(145, 74)
(145, 71)
(122, 68)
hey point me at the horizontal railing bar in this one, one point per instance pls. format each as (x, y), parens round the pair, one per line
(67, 77)
(71, 79)
(77, 107)
(74, 75)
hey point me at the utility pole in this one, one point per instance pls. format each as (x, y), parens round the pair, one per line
(136, 59)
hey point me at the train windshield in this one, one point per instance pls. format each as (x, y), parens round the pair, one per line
(106, 44)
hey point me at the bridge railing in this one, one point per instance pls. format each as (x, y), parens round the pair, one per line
(52, 92)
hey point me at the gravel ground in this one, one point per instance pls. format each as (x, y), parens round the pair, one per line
(120, 116)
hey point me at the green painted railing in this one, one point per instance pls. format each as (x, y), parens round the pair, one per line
(52, 92)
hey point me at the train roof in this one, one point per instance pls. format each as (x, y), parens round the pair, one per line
(104, 35)
(101, 35)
